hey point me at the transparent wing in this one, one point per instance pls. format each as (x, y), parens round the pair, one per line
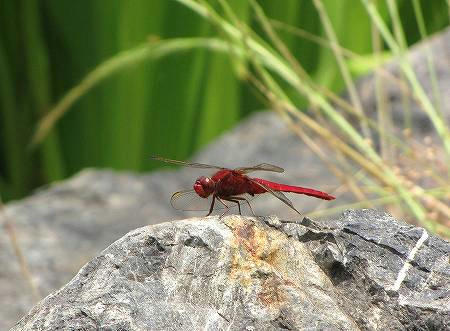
(188, 200)
(260, 167)
(244, 170)
(279, 195)
(186, 164)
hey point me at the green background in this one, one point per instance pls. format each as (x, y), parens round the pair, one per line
(171, 106)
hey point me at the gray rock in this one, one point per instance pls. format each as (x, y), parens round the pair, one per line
(439, 48)
(364, 271)
(389, 275)
(62, 227)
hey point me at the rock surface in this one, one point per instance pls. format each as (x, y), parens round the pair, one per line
(402, 105)
(364, 271)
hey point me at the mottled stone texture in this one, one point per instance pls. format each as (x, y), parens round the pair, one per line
(363, 271)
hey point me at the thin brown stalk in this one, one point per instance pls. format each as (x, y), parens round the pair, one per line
(384, 122)
(404, 87)
(354, 97)
(346, 180)
(10, 230)
(313, 146)
(339, 101)
(279, 44)
(328, 136)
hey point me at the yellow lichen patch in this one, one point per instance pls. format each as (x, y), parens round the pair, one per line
(259, 259)
(272, 293)
(262, 243)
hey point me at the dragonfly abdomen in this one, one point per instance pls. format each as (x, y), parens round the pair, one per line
(294, 189)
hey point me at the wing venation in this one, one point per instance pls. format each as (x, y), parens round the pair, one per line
(186, 164)
(260, 167)
(278, 194)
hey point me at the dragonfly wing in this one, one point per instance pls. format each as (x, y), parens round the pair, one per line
(188, 200)
(186, 164)
(279, 195)
(260, 167)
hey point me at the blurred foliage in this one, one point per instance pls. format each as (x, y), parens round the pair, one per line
(171, 106)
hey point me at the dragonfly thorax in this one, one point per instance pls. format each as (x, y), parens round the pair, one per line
(204, 186)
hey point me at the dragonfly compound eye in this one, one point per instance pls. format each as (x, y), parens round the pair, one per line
(204, 186)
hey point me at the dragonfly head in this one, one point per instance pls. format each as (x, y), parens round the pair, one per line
(204, 186)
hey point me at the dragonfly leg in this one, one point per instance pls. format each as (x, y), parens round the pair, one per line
(242, 199)
(212, 206)
(226, 207)
(235, 200)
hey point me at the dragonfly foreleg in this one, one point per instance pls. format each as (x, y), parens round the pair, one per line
(212, 205)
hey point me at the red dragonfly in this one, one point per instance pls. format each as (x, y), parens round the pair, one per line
(233, 185)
